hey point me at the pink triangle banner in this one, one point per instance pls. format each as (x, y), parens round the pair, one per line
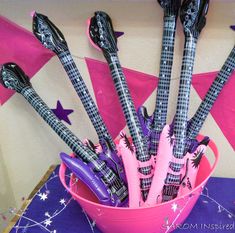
(141, 86)
(223, 110)
(20, 46)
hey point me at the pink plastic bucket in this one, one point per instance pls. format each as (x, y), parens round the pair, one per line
(156, 219)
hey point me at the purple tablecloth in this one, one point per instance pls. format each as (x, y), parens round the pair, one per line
(53, 210)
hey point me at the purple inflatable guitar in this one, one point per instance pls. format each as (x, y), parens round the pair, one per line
(102, 180)
(102, 35)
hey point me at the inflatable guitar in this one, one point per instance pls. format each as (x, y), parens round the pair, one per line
(102, 36)
(103, 181)
(52, 38)
(152, 126)
(199, 117)
(195, 124)
(171, 162)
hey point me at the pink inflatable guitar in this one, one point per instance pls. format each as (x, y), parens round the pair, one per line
(173, 157)
(101, 35)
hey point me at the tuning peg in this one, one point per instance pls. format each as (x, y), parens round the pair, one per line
(101, 32)
(193, 16)
(171, 7)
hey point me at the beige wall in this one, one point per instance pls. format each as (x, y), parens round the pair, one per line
(29, 147)
(6, 192)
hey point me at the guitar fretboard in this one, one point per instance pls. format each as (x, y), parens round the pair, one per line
(83, 93)
(167, 53)
(172, 181)
(181, 117)
(130, 114)
(74, 143)
(128, 108)
(211, 96)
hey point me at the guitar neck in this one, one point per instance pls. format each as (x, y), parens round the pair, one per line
(132, 121)
(181, 117)
(211, 96)
(167, 53)
(63, 132)
(73, 142)
(83, 93)
(128, 107)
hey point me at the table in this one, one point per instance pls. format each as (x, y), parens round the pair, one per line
(50, 208)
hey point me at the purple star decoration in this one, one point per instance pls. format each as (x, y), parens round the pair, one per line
(62, 113)
(118, 34)
(232, 27)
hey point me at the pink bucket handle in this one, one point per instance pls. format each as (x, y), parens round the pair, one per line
(62, 176)
(214, 149)
(62, 171)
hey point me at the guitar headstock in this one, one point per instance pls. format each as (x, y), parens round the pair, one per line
(13, 77)
(48, 34)
(170, 7)
(193, 16)
(101, 32)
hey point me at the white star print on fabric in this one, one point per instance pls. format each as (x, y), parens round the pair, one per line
(43, 196)
(47, 222)
(62, 201)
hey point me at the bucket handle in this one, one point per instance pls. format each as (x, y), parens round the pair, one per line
(214, 149)
(62, 176)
